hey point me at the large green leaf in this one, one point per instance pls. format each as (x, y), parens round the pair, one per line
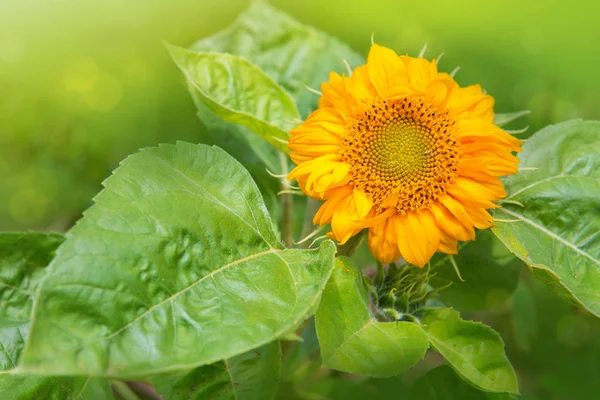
(292, 54)
(177, 265)
(253, 375)
(239, 92)
(256, 155)
(442, 383)
(489, 272)
(23, 260)
(473, 350)
(352, 340)
(556, 207)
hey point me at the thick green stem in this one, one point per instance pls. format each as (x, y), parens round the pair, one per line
(287, 204)
(124, 391)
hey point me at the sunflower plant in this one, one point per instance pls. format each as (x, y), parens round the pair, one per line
(341, 218)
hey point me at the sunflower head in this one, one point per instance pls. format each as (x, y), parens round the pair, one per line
(403, 150)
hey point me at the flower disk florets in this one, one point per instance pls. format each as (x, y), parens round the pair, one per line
(402, 154)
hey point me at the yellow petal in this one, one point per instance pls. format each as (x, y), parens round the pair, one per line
(383, 241)
(450, 225)
(384, 66)
(480, 217)
(363, 204)
(342, 224)
(448, 244)
(456, 209)
(420, 71)
(418, 237)
(467, 190)
(335, 196)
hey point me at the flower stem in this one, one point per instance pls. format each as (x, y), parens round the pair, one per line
(124, 391)
(287, 203)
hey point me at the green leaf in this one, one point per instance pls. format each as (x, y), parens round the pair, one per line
(176, 265)
(237, 91)
(253, 375)
(23, 260)
(490, 274)
(352, 340)
(473, 350)
(442, 383)
(256, 155)
(291, 53)
(556, 207)
(502, 120)
(31, 387)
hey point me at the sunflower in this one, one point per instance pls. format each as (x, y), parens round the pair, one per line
(401, 149)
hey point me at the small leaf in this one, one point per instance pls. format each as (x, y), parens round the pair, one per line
(352, 340)
(443, 383)
(291, 53)
(473, 350)
(253, 375)
(556, 208)
(490, 273)
(502, 120)
(176, 265)
(237, 91)
(23, 260)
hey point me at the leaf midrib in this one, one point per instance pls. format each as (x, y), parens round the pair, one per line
(548, 179)
(440, 344)
(220, 203)
(177, 294)
(552, 235)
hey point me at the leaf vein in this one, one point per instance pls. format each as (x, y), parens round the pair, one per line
(552, 235)
(209, 275)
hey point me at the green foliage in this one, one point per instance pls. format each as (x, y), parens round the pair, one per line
(554, 209)
(187, 251)
(489, 273)
(293, 54)
(473, 350)
(23, 260)
(563, 356)
(309, 54)
(229, 86)
(253, 375)
(524, 316)
(352, 340)
(177, 274)
(442, 383)
(29, 387)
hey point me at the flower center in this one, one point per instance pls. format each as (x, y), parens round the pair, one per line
(402, 154)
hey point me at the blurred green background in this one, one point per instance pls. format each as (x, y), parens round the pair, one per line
(84, 83)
